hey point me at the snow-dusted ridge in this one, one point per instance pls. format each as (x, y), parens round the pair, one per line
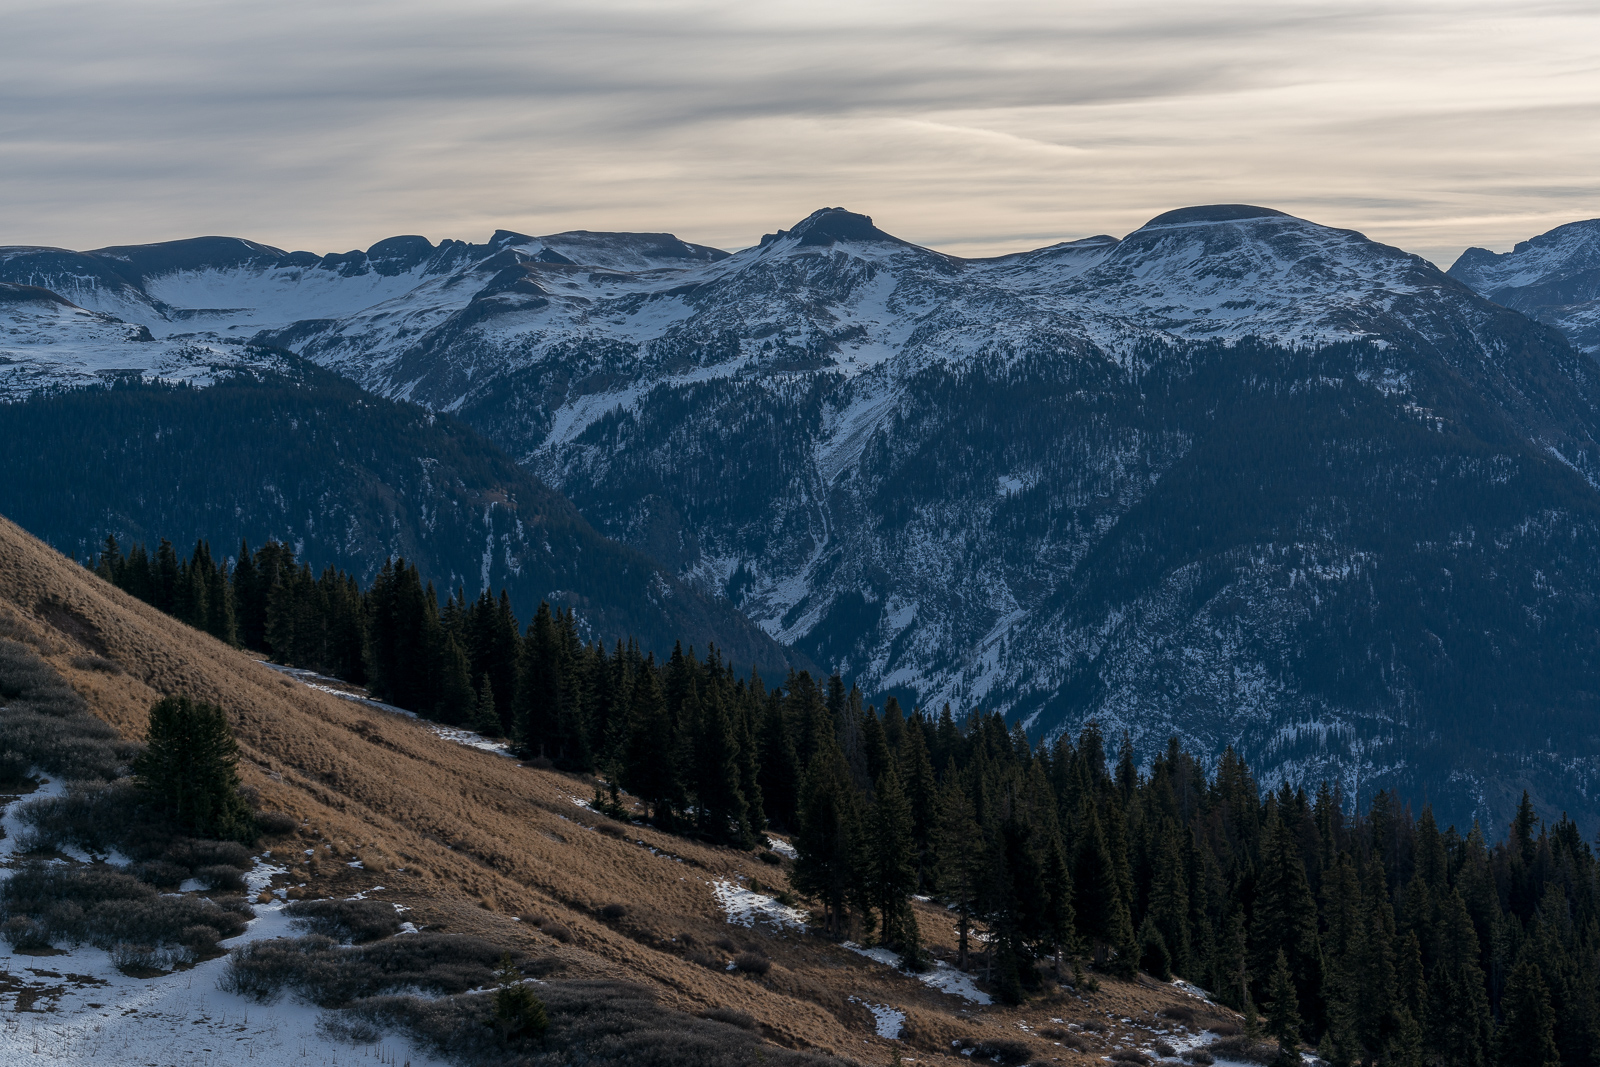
(913, 465)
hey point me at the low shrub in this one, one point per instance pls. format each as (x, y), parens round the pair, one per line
(557, 931)
(1003, 1050)
(221, 878)
(108, 908)
(1243, 1048)
(726, 944)
(159, 873)
(320, 970)
(752, 963)
(613, 912)
(356, 921)
(596, 1023)
(1066, 1038)
(770, 858)
(97, 663)
(702, 958)
(611, 829)
(1164, 1049)
(47, 724)
(14, 768)
(1128, 1055)
(1224, 1028)
(733, 1017)
(1093, 1026)
(276, 823)
(1199, 1057)
(1179, 1013)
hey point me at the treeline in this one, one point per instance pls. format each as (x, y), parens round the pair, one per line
(1376, 939)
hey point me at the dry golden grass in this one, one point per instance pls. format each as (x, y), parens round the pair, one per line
(472, 841)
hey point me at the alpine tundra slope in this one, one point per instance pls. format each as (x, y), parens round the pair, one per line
(1237, 476)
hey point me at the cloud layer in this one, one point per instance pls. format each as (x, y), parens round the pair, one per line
(976, 128)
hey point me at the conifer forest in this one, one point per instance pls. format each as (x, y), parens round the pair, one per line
(1370, 936)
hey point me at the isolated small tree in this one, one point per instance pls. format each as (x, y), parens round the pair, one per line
(517, 1012)
(485, 718)
(187, 768)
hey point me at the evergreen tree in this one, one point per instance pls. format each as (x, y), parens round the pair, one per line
(645, 773)
(1527, 1037)
(1283, 1010)
(892, 871)
(828, 841)
(518, 1013)
(720, 807)
(188, 769)
(959, 848)
(485, 713)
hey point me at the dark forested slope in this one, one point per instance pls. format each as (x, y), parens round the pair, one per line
(348, 480)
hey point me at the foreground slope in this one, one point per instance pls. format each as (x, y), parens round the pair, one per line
(472, 843)
(349, 480)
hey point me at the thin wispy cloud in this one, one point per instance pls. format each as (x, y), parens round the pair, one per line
(975, 128)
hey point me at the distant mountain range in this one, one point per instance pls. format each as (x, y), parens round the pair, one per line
(1236, 476)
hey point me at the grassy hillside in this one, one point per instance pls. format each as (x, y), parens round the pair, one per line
(473, 843)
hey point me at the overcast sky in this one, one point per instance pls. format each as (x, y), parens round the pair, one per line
(976, 127)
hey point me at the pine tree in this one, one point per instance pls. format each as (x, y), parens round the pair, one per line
(1154, 957)
(458, 704)
(1283, 1010)
(539, 690)
(892, 871)
(188, 769)
(719, 802)
(959, 848)
(1527, 1037)
(645, 773)
(780, 765)
(1102, 913)
(922, 790)
(485, 716)
(518, 1013)
(828, 841)
(1169, 901)
(1285, 911)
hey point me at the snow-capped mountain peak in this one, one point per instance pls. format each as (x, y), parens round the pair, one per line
(1554, 277)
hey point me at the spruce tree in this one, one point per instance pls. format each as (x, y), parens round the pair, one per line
(1527, 1036)
(1283, 1010)
(720, 808)
(959, 849)
(645, 773)
(828, 841)
(892, 870)
(188, 769)
(485, 716)
(1155, 959)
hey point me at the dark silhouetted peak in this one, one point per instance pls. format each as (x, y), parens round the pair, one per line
(13, 293)
(550, 255)
(1188, 216)
(504, 238)
(628, 251)
(834, 224)
(195, 253)
(396, 255)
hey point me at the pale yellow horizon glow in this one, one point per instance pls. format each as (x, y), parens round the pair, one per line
(977, 129)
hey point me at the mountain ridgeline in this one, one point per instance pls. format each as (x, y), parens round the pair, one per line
(1235, 476)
